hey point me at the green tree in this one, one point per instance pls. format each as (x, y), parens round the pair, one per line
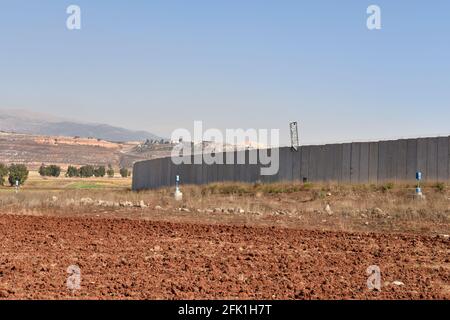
(87, 171)
(100, 171)
(54, 170)
(72, 172)
(43, 171)
(124, 172)
(3, 173)
(110, 171)
(17, 172)
(49, 171)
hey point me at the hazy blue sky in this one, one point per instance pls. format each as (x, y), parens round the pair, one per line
(160, 65)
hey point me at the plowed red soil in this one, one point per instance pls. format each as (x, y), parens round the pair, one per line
(135, 259)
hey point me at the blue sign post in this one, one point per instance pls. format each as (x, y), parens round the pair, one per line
(418, 188)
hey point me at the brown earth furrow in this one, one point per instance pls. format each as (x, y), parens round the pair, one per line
(121, 258)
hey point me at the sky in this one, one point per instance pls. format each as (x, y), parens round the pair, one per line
(159, 65)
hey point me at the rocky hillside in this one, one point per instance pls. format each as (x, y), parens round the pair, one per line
(34, 150)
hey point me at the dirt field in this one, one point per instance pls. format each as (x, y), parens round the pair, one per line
(278, 245)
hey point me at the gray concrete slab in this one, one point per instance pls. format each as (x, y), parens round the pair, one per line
(391, 160)
(313, 164)
(296, 165)
(320, 162)
(304, 167)
(337, 159)
(373, 162)
(422, 146)
(346, 162)
(364, 163)
(401, 160)
(443, 159)
(330, 162)
(382, 161)
(411, 156)
(285, 169)
(432, 159)
(354, 164)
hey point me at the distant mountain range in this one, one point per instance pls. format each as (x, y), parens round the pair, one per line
(23, 121)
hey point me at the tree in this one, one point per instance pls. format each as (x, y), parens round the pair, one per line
(54, 170)
(17, 172)
(100, 171)
(3, 173)
(110, 171)
(72, 172)
(124, 172)
(87, 171)
(43, 170)
(49, 171)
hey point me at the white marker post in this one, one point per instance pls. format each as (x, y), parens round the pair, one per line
(178, 193)
(17, 186)
(419, 194)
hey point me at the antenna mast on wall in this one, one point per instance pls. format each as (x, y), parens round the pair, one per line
(294, 135)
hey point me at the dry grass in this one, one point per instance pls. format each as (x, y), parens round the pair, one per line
(386, 208)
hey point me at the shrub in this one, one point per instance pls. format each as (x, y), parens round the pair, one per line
(124, 172)
(110, 171)
(43, 170)
(87, 171)
(307, 186)
(387, 186)
(3, 173)
(72, 172)
(50, 171)
(54, 170)
(17, 172)
(440, 186)
(100, 171)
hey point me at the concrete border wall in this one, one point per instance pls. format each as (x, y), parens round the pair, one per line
(359, 162)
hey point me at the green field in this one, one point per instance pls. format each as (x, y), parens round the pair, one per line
(36, 182)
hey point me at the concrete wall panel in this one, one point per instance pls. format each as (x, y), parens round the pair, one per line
(422, 156)
(387, 161)
(411, 163)
(364, 163)
(314, 154)
(346, 162)
(304, 167)
(296, 165)
(321, 163)
(285, 169)
(443, 158)
(401, 160)
(432, 159)
(336, 158)
(354, 162)
(373, 162)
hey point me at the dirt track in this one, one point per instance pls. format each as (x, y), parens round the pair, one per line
(159, 260)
